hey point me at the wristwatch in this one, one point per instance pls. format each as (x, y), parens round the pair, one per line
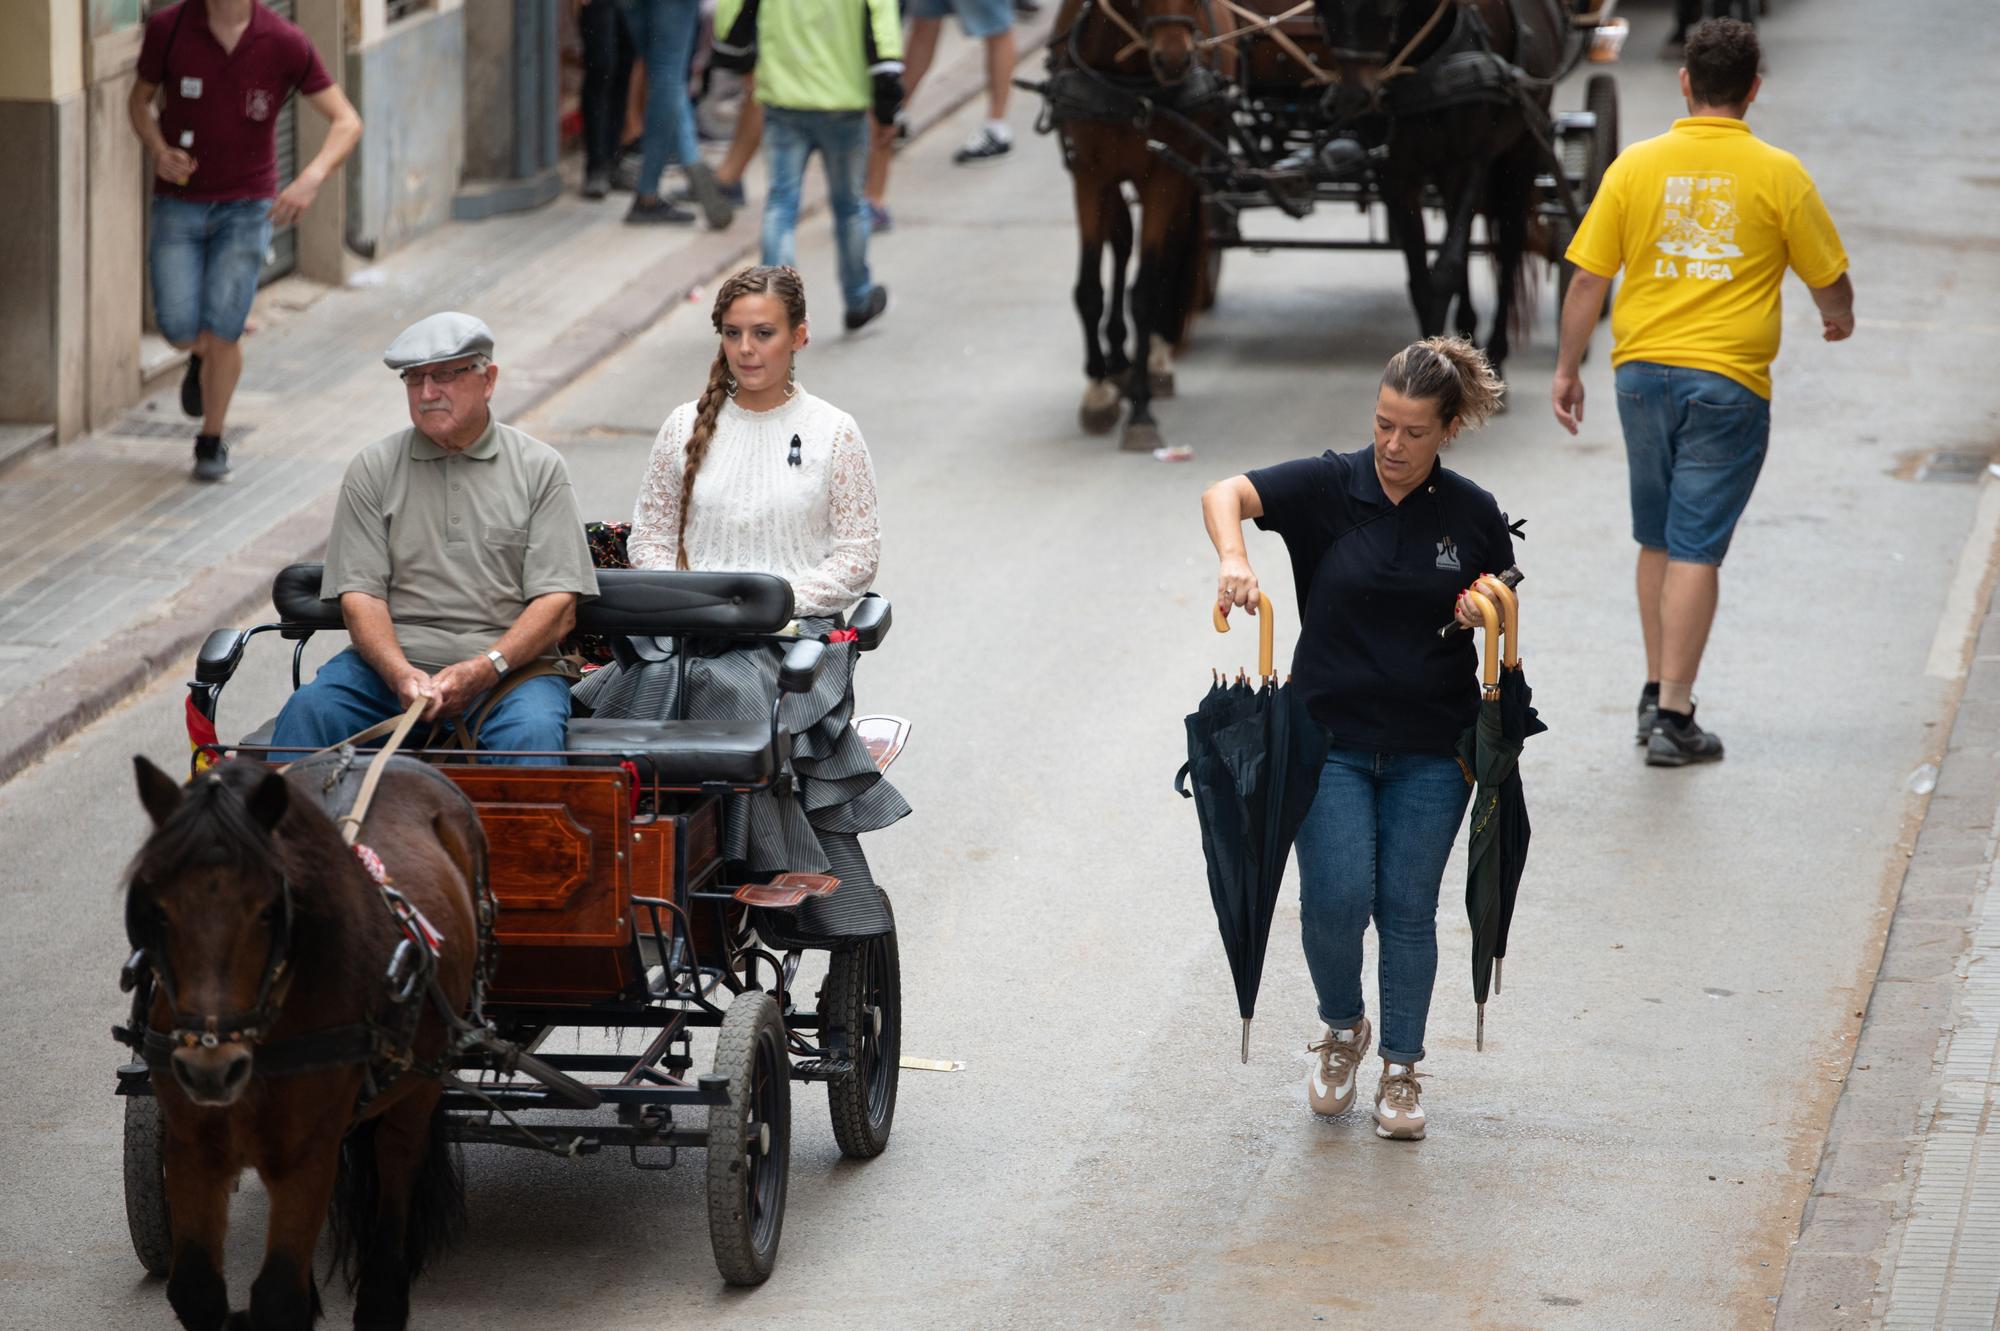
(500, 666)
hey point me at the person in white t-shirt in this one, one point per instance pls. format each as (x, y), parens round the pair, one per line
(758, 474)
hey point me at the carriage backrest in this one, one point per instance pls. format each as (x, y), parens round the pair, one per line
(659, 602)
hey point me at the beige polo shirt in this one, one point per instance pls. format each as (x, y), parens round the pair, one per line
(457, 543)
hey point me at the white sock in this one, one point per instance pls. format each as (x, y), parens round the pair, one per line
(998, 129)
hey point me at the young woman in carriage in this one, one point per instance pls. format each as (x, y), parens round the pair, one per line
(758, 474)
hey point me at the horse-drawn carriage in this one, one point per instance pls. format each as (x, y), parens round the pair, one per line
(1214, 111)
(607, 903)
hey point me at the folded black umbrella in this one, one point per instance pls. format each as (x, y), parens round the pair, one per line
(1254, 759)
(1497, 850)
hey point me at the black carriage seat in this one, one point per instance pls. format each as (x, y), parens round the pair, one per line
(654, 603)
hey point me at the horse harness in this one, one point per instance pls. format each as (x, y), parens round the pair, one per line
(1076, 91)
(384, 1042)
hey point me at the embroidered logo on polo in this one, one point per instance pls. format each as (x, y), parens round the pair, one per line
(1448, 554)
(257, 103)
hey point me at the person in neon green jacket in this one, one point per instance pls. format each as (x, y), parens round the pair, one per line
(822, 66)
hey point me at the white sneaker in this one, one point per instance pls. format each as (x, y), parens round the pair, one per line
(1330, 1085)
(1399, 1110)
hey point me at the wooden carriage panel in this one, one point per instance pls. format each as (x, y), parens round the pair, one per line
(560, 864)
(653, 865)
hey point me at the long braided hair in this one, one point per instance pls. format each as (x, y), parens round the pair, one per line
(790, 289)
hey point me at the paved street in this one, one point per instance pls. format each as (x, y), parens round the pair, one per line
(1692, 954)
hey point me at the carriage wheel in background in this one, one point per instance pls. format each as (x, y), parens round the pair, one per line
(146, 1184)
(863, 997)
(749, 1140)
(1600, 98)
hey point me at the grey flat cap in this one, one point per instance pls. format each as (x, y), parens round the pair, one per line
(441, 337)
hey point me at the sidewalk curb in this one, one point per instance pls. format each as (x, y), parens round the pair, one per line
(81, 690)
(1841, 1266)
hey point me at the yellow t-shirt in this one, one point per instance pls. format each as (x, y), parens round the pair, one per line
(1704, 220)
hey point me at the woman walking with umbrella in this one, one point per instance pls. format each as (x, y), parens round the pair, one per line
(1383, 542)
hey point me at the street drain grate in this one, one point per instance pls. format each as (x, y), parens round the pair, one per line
(151, 427)
(1948, 465)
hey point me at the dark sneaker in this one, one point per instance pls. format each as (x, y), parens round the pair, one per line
(625, 175)
(733, 193)
(879, 221)
(983, 146)
(646, 211)
(1677, 743)
(1649, 714)
(191, 387)
(211, 457)
(596, 184)
(878, 301)
(707, 192)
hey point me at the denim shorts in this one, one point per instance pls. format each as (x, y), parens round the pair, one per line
(1695, 441)
(979, 18)
(205, 259)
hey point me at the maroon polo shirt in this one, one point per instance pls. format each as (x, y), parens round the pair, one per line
(228, 100)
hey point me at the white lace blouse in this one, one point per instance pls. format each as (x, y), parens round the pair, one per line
(812, 524)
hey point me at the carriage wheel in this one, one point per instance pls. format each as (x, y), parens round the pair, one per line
(146, 1184)
(863, 996)
(749, 1141)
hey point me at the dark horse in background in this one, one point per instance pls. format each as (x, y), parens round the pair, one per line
(266, 943)
(1121, 73)
(1457, 92)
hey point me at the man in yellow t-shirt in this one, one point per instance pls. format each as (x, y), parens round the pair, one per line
(1703, 220)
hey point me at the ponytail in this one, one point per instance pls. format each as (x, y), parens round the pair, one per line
(1450, 372)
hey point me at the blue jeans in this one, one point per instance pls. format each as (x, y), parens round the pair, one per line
(663, 32)
(1694, 441)
(205, 259)
(841, 138)
(348, 696)
(1374, 845)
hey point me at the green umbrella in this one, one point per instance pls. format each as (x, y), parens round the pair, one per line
(1491, 750)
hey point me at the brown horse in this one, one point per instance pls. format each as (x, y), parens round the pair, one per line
(1123, 72)
(275, 1041)
(1458, 91)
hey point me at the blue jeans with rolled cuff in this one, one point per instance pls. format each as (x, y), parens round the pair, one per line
(1694, 442)
(841, 139)
(1374, 846)
(347, 696)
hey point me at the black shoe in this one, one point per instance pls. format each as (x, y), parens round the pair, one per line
(716, 209)
(878, 301)
(211, 457)
(983, 146)
(658, 210)
(1678, 741)
(625, 175)
(191, 387)
(596, 183)
(1649, 713)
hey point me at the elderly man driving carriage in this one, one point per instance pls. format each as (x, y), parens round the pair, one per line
(458, 557)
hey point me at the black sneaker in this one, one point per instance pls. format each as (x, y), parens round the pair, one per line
(191, 387)
(1677, 742)
(596, 184)
(1649, 713)
(645, 211)
(983, 146)
(733, 193)
(878, 301)
(211, 457)
(707, 191)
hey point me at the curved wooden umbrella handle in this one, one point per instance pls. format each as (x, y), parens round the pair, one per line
(1510, 615)
(1264, 666)
(1489, 619)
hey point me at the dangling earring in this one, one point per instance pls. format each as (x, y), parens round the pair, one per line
(729, 385)
(792, 378)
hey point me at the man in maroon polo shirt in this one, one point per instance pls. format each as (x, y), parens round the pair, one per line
(225, 68)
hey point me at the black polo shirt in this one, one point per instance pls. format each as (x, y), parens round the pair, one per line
(1376, 580)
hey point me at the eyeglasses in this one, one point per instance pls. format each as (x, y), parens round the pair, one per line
(442, 378)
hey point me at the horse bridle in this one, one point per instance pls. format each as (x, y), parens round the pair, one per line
(208, 1030)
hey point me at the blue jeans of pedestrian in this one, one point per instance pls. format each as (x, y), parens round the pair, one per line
(1374, 846)
(841, 139)
(347, 696)
(1694, 442)
(663, 32)
(205, 260)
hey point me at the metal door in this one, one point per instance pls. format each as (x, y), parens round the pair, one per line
(284, 252)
